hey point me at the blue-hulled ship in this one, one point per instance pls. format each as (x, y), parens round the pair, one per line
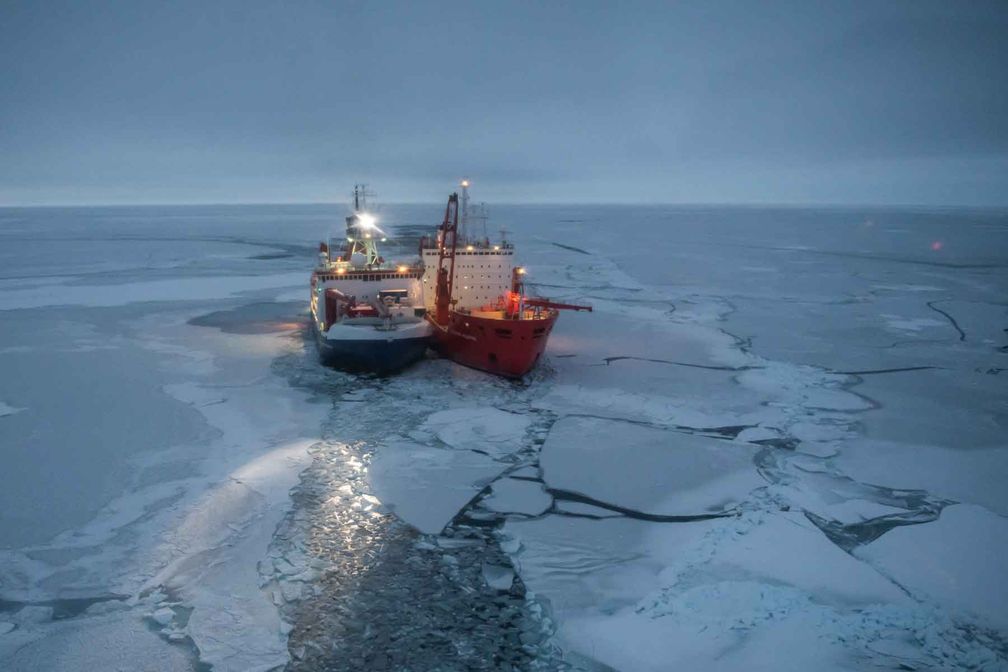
(367, 313)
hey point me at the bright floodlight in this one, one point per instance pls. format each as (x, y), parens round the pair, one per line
(465, 183)
(365, 220)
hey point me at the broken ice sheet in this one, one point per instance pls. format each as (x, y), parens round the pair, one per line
(595, 565)
(484, 429)
(426, 486)
(975, 476)
(653, 471)
(957, 561)
(510, 495)
(634, 594)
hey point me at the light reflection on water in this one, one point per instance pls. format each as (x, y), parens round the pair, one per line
(366, 591)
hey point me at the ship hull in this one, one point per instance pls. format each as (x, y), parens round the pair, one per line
(362, 349)
(509, 348)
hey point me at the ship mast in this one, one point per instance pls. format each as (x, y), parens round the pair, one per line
(361, 232)
(464, 221)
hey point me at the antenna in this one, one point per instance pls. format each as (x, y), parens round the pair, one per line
(481, 216)
(360, 195)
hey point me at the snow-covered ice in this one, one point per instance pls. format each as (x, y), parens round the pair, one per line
(150, 459)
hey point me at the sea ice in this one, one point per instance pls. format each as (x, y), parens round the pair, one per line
(175, 289)
(645, 469)
(971, 476)
(511, 495)
(956, 562)
(487, 430)
(425, 485)
(119, 641)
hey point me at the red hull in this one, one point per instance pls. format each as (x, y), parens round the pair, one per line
(508, 348)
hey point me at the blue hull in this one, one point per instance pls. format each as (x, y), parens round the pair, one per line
(370, 355)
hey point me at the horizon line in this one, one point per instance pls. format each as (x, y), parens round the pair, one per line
(722, 204)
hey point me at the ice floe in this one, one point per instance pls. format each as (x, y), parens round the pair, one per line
(956, 562)
(482, 429)
(647, 470)
(514, 495)
(426, 485)
(975, 476)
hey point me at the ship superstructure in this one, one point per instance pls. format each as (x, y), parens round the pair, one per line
(481, 315)
(367, 313)
(484, 269)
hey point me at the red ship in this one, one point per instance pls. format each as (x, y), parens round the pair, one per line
(505, 337)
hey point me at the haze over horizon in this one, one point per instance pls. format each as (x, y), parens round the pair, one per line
(725, 102)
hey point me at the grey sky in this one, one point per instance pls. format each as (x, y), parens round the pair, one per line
(189, 102)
